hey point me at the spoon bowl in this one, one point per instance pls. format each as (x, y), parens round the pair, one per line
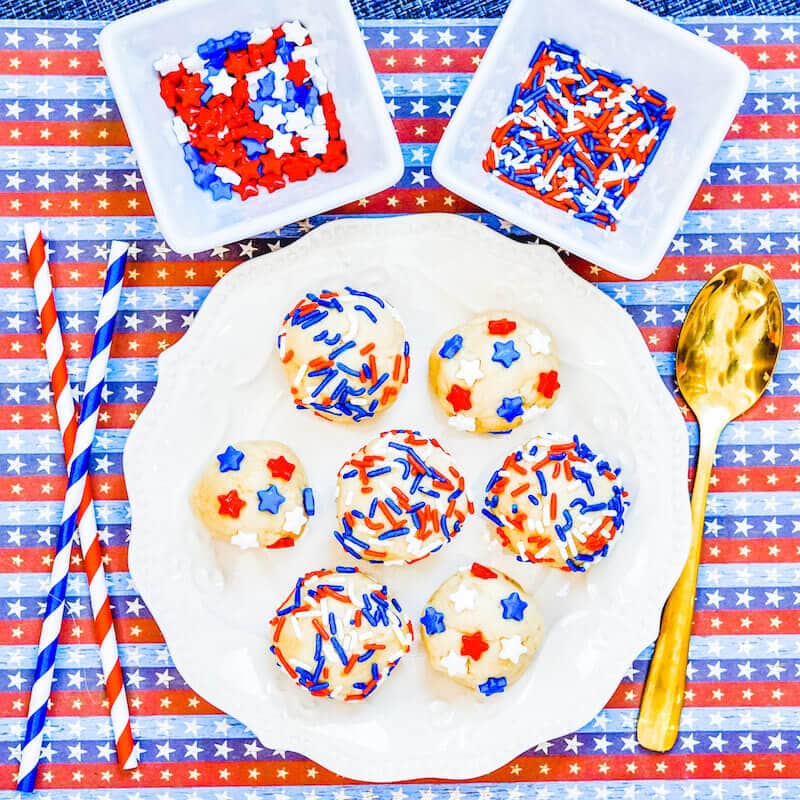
(729, 342)
(727, 351)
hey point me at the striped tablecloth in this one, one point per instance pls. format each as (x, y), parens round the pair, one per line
(64, 156)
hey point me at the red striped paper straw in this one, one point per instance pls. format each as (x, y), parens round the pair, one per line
(87, 521)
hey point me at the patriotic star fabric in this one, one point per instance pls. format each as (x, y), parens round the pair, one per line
(65, 158)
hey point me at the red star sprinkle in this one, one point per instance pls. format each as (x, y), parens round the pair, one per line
(297, 72)
(460, 398)
(473, 645)
(281, 468)
(484, 573)
(501, 327)
(230, 505)
(548, 384)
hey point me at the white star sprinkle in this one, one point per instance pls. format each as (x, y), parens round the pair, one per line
(294, 32)
(539, 342)
(454, 664)
(512, 648)
(272, 116)
(463, 598)
(228, 175)
(222, 83)
(246, 540)
(469, 371)
(462, 422)
(169, 62)
(194, 63)
(294, 520)
(281, 143)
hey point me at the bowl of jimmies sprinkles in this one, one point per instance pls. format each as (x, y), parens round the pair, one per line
(249, 116)
(591, 124)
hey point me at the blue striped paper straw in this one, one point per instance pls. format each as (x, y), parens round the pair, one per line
(78, 475)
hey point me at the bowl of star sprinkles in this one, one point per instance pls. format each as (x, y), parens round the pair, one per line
(591, 123)
(247, 117)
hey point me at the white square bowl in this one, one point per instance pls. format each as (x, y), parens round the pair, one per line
(189, 219)
(705, 84)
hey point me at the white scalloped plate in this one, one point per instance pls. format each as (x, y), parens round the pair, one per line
(223, 382)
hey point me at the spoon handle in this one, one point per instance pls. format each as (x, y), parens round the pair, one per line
(662, 699)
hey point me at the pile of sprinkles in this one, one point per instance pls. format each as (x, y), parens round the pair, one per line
(350, 632)
(399, 499)
(346, 381)
(556, 502)
(253, 111)
(576, 136)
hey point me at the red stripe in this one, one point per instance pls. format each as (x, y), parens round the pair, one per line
(765, 126)
(429, 59)
(107, 204)
(51, 62)
(702, 694)
(41, 418)
(678, 765)
(746, 197)
(81, 631)
(413, 130)
(756, 622)
(64, 134)
(95, 703)
(675, 267)
(761, 56)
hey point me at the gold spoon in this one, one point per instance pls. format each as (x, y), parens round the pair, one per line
(727, 351)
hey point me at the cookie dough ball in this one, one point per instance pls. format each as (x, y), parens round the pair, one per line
(494, 372)
(481, 629)
(254, 494)
(339, 634)
(556, 502)
(345, 354)
(399, 499)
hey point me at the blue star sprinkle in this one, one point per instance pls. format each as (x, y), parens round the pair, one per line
(230, 460)
(451, 346)
(221, 190)
(270, 499)
(511, 408)
(505, 353)
(493, 686)
(433, 621)
(513, 607)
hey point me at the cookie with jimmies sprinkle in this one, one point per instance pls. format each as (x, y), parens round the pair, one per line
(399, 499)
(254, 494)
(494, 372)
(481, 629)
(556, 502)
(345, 354)
(339, 634)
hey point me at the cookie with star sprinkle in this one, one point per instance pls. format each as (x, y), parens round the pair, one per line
(481, 629)
(345, 354)
(399, 499)
(339, 634)
(254, 494)
(556, 502)
(494, 372)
